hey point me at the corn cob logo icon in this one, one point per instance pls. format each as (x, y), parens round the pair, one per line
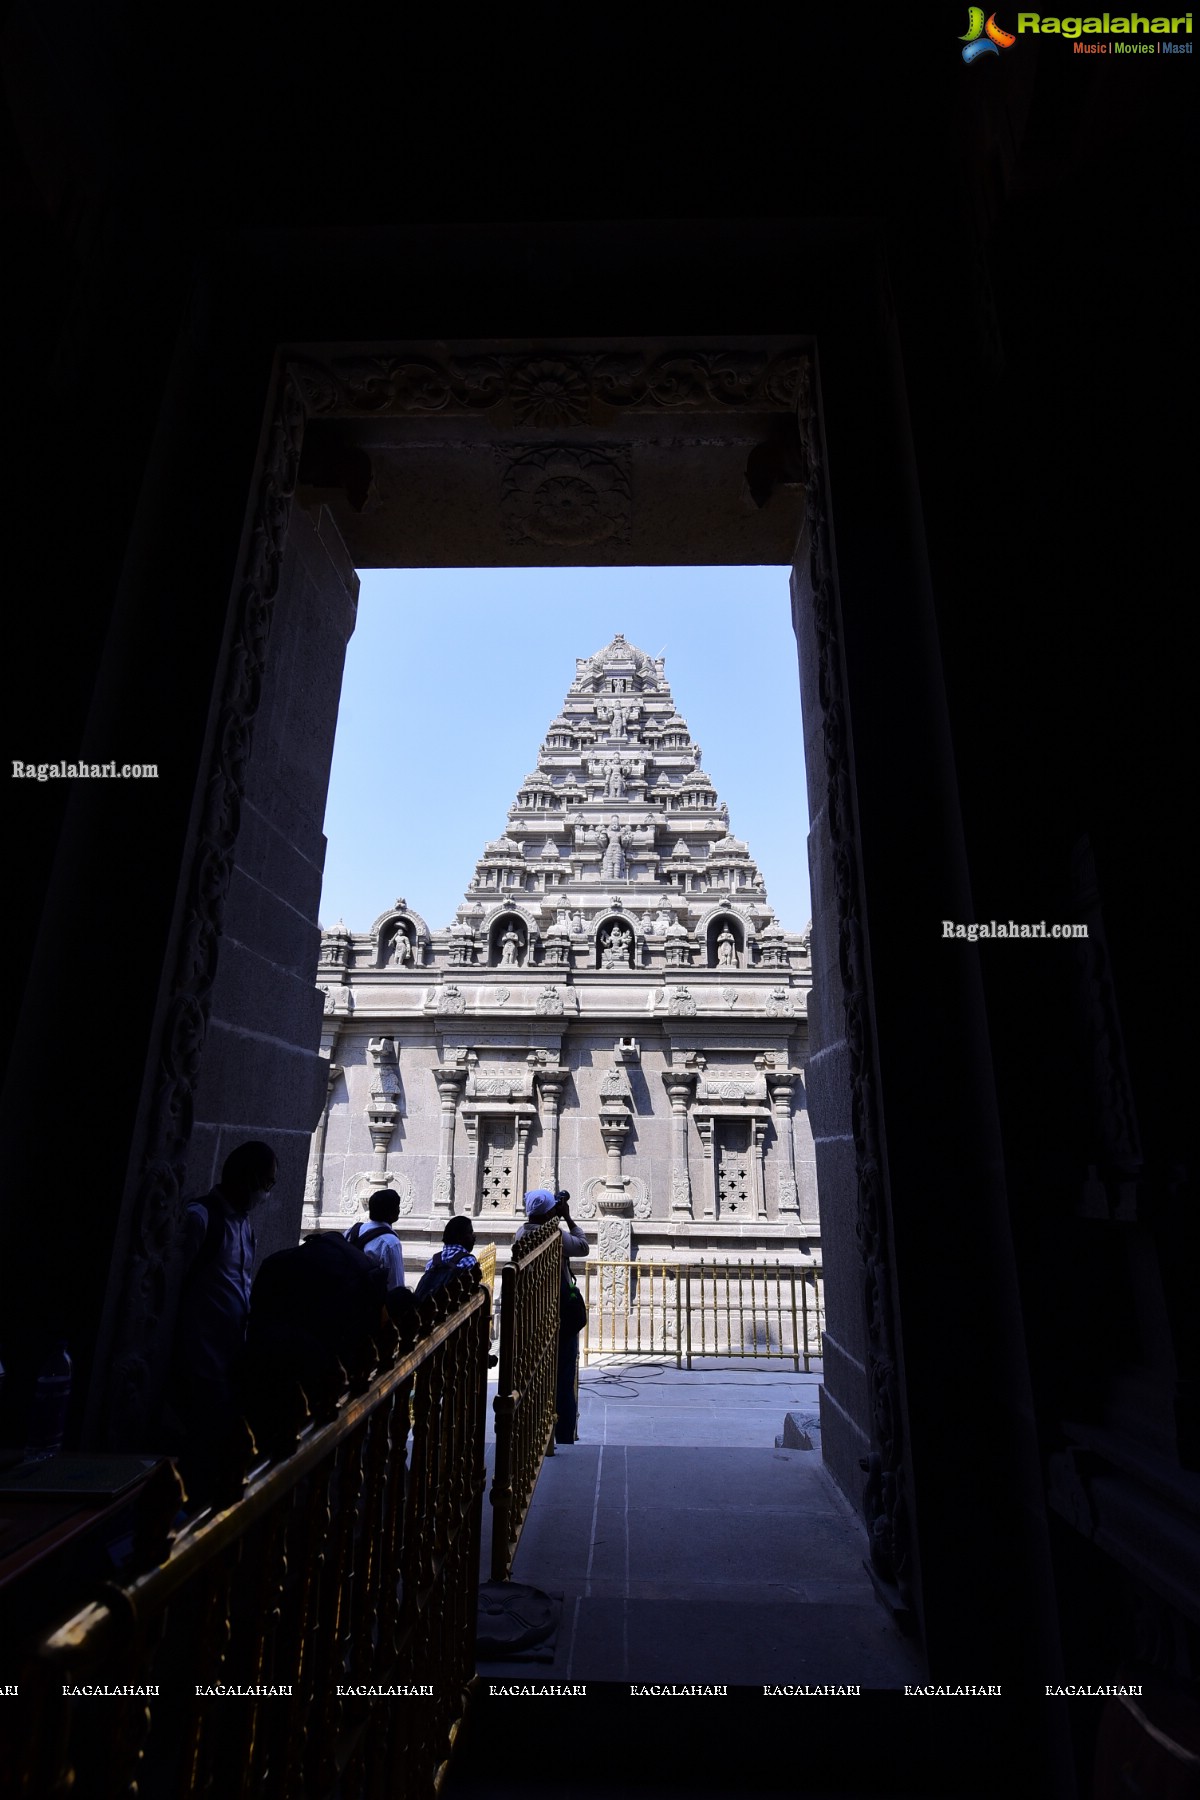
(983, 37)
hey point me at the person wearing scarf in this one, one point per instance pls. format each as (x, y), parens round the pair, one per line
(458, 1241)
(540, 1205)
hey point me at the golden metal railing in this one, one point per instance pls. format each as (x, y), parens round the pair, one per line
(486, 1258)
(339, 1584)
(743, 1308)
(524, 1404)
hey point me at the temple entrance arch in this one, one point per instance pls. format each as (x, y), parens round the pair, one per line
(719, 445)
(749, 457)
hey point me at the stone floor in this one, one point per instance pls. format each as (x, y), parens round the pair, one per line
(689, 1549)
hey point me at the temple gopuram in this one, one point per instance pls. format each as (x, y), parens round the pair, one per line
(615, 1009)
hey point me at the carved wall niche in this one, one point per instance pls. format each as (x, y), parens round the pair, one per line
(726, 942)
(616, 941)
(401, 938)
(508, 942)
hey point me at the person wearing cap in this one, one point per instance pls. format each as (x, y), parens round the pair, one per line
(540, 1205)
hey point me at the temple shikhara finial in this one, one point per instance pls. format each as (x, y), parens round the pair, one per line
(614, 1008)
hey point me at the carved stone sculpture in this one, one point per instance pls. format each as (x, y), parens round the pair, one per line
(510, 946)
(616, 948)
(614, 842)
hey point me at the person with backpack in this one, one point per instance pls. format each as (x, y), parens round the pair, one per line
(377, 1235)
(315, 1315)
(458, 1241)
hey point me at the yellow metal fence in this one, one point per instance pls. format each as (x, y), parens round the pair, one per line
(524, 1404)
(751, 1308)
(313, 1638)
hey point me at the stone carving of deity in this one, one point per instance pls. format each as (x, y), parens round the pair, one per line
(614, 785)
(617, 948)
(402, 954)
(726, 949)
(510, 945)
(618, 716)
(614, 842)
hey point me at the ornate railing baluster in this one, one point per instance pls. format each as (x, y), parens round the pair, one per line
(330, 1569)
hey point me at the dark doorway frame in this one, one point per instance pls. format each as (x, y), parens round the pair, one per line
(922, 1207)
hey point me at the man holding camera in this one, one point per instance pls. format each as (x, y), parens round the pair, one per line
(540, 1205)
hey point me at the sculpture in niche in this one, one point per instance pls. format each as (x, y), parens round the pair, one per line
(614, 842)
(402, 950)
(510, 948)
(726, 949)
(616, 947)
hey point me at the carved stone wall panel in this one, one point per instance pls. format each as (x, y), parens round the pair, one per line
(138, 1356)
(551, 390)
(560, 496)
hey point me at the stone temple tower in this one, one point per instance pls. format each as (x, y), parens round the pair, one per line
(615, 1009)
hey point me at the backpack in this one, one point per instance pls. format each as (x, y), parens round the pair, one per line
(365, 1233)
(440, 1272)
(313, 1306)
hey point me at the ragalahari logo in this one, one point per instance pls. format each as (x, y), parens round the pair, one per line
(983, 38)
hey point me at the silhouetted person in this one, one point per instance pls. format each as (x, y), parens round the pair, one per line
(214, 1306)
(540, 1205)
(377, 1236)
(458, 1241)
(315, 1314)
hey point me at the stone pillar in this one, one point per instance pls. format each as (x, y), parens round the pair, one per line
(551, 1083)
(681, 1086)
(524, 1123)
(383, 1107)
(705, 1126)
(613, 1127)
(614, 1244)
(758, 1132)
(780, 1087)
(314, 1184)
(616, 1233)
(450, 1083)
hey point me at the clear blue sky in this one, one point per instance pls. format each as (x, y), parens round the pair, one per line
(453, 675)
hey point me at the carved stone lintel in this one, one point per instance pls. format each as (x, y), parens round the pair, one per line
(553, 390)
